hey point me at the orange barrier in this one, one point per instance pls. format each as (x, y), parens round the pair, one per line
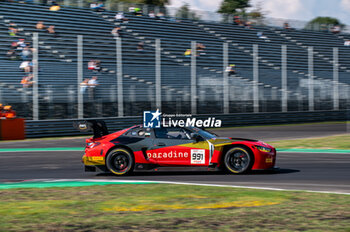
(12, 129)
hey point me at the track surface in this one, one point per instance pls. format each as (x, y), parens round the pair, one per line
(305, 171)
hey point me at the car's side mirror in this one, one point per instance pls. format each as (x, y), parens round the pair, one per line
(196, 137)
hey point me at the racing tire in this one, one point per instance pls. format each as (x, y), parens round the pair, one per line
(120, 161)
(238, 160)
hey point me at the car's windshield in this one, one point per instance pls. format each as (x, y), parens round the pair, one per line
(205, 134)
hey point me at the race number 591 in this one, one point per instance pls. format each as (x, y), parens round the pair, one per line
(197, 156)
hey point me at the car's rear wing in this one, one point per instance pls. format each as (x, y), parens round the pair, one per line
(98, 127)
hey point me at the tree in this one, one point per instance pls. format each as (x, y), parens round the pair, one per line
(323, 23)
(233, 6)
(257, 12)
(184, 12)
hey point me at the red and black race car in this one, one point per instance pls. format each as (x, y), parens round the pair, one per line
(139, 148)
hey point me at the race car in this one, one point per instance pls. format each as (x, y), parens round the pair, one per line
(140, 148)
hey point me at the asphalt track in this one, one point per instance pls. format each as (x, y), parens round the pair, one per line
(303, 171)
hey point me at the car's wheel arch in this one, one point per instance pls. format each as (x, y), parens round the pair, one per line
(119, 146)
(228, 147)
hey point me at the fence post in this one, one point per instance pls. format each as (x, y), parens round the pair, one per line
(120, 6)
(311, 76)
(35, 76)
(193, 78)
(158, 75)
(80, 76)
(284, 79)
(335, 80)
(120, 77)
(225, 80)
(255, 78)
(80, 4)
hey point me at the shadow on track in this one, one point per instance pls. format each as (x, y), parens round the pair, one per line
(203, 173)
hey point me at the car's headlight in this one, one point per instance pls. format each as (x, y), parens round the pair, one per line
(264, 149)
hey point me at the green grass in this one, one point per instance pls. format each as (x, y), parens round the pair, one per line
(329, 142)
(160, 207)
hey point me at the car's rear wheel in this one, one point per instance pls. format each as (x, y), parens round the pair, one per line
(238, 160)
(120, 161)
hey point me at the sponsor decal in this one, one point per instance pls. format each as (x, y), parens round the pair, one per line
(167, 155)
(155, 119)
(96, 158)
(197, 156)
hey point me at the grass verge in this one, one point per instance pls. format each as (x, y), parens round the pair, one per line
(160, 207)
(329, 142)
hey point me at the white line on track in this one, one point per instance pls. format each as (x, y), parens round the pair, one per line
(189, 183)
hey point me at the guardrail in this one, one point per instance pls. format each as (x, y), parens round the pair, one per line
(64, 127)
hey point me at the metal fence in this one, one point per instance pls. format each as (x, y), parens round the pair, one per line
(195, 87)
(50, 128)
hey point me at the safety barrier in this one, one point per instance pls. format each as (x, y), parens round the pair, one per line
(64, 127)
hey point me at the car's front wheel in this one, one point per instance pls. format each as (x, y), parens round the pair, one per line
(238, 160)
(120, 161)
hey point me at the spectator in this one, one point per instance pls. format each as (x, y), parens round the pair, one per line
(92, 83)
(94, 65)
(116, 32)
(27, 81)
(151, 14)
(160, 15)
(336, 29)
(40, 25)
(200, 49)
(261, 35)
(347, 43)
(188, 53)
(51, 30)
(21, 44)
(55, 7)
(97, 6)
(140, 47)
(119, 17)
(93, 5)
(8, 112)
(132, 9)
(26, 66)
(12, 30)
(84, 86)
(286, 26)
(237, 20)
(26, 54)
(230, 69)
(91, 65)
(138, 11)
(248, 25)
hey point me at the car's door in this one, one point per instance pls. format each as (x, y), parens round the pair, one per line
(174, 146)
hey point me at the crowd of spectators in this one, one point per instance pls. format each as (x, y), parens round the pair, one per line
(22, 50)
